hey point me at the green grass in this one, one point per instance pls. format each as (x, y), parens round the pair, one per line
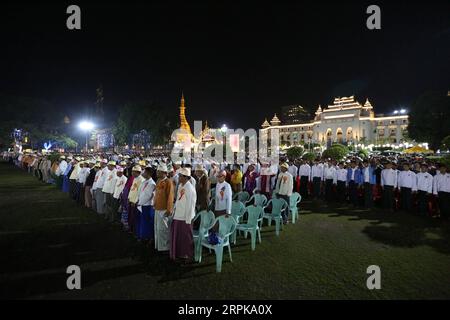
(324, 256)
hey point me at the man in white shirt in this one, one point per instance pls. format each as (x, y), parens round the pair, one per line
(317, 178)
(341, 178)
(305, 175)
(283, 188)
(108, 189)
(181, 233)
(388, 184)
(81, 180)
(73, 177)
(133, 197)
(99, 195)
(60, 171)
(146, 214)
(407, 183)
(442, 191)
(424, 188)
(330, 177)
(293, 170)
(120, 182)
(223, 197)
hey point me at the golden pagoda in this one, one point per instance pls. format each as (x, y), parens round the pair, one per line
(184, 125)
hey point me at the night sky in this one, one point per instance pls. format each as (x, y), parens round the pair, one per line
(236, 64)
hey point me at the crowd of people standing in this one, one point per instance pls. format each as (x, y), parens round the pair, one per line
(156, 199)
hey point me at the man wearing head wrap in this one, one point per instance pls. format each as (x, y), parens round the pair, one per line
(145, 218)
(66, 174)
(108, 190)
(164, 199)
(93, 168)
(181, 232)
(60, 171)
(133, 197)
(283, 188)
(223, 196)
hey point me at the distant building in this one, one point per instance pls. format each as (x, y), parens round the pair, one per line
(294, 114)
(344, 121)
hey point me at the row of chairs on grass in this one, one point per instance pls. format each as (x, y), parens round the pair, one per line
(230, 225)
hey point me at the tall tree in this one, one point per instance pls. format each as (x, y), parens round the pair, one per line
(429, 119)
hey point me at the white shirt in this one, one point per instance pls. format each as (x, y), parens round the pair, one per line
(366, 171)
(82, 175)
(407, 179)
(424, 182)
(75, 172)
(223, 197)
(97, 176)
(389, 177)
(305, 170)
(341, 174)
(146, 192)
(441, 183)
(61, 168)
(330, 173)
(102, 178)
(317, 171)
(293, 170)
(110, 181)
(184, 209)
(285, 184)
(120, 184)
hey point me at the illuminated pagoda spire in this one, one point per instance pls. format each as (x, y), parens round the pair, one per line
(265, 124)
(275, 121)
(184, 125)
(367, 104)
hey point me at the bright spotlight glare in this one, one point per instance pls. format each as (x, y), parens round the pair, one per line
(396, 111)
(224, 128)
(403, 111)
(86, 125)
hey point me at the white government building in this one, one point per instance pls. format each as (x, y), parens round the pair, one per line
(345, 121)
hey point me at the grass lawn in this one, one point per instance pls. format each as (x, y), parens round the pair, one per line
(323, 256)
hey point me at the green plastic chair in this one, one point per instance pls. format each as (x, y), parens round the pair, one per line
(207, 220)
(227, 226)
(278, 205)
(237, 210)
(242, 196)
(255, 214)
(258, 200)
(294, 200)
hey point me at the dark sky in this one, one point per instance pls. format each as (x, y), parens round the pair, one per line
(236, 64)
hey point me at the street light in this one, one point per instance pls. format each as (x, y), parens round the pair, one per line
(86, 126)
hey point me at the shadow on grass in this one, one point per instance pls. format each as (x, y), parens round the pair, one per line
(396, 229)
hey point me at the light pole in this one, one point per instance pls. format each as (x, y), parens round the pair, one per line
(224, 130)
(87, 127)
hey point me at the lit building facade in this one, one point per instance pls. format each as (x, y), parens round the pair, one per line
(294, 114)
(345, 121)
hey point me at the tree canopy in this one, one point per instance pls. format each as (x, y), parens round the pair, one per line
(429, 118)
(134, 117)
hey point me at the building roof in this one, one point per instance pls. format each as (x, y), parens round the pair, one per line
(275, 120)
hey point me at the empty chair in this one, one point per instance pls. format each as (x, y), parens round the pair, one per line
(258, 200)
(242, 196)
(255, 214)
(207, 220)
(227, 226)
(277, 207)
(237, 210)
(294, 200)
